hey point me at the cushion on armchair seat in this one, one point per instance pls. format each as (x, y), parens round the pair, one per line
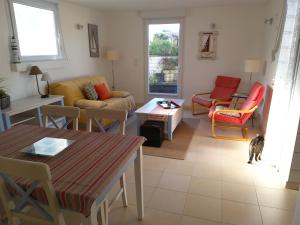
(233, 114)
(224, 118)
(204, 101)
(85, 103)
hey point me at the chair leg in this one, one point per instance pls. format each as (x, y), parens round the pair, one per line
(197, 113)
(213, 132)
(103, 213)
(124, 193)
(245, 132)
(193, 108)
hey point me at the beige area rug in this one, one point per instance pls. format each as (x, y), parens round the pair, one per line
(179, 146)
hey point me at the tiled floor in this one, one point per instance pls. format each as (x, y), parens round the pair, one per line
(213, 186)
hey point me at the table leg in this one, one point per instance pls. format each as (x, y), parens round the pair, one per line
(62, 103)
(1, 123)
(7, 122)
(138, 124)
(39, 117)
(170, 134)
(99, 214)
(138, 169)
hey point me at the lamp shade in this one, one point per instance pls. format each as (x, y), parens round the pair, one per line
(252, 66)
(112, 55)
(45, 77)
(35, 70)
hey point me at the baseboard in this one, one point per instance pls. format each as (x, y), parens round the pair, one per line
(292, 185)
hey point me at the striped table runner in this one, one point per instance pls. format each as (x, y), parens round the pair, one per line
(83, 170)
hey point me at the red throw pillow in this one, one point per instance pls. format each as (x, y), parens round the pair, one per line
(102, 91)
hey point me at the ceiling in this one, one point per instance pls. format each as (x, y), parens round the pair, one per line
(158, 4)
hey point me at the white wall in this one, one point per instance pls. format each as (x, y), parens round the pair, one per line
(273, 10)
(241, 30)
(78, 61)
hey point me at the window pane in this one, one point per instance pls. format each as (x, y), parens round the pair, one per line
(163, 59)
(36, 31)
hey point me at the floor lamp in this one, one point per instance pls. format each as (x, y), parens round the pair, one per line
(112, 55)
(252, 66)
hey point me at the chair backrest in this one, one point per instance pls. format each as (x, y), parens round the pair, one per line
(38, 177)
(94, 115)
(255, 97)
(225, 87)
(71, 113)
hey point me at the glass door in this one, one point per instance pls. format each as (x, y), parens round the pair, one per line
(163, 52)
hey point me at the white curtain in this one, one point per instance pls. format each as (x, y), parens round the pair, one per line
(281, 129)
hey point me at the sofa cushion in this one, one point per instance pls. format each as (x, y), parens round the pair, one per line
(90, 92)
(102, 91)
(120, 94)
(85, 103)
(72, 89)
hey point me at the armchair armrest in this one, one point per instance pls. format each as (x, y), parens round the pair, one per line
(208, 98)
(226, 103)
(206, 93)
(120, 94)
(85, 103)
(233, 111)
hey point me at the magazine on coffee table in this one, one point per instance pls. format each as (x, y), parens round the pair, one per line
(167, 104)
(48, 146)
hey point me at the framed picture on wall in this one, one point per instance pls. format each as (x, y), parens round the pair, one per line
(208, 45)
(93, 40)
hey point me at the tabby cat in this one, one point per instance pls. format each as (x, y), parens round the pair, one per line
(256, 147)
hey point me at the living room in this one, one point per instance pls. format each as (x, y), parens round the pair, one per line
(193, 178)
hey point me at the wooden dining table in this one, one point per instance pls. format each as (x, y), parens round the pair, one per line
(85, 172)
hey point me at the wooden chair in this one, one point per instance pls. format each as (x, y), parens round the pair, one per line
(237, 117)
(23, 207)
(93, 116)
(51, 111)
(39, 174)
(224, 88)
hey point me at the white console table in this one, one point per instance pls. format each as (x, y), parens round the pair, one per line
(27, 104)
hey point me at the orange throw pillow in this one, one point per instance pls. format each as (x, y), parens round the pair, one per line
(102, 91)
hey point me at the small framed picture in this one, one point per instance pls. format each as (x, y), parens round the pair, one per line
(208, 45)
(93, 40)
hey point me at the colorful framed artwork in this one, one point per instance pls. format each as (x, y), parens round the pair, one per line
(93, 40)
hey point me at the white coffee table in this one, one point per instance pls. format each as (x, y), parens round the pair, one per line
(153, 111)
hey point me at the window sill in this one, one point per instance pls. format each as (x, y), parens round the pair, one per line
(25, 66)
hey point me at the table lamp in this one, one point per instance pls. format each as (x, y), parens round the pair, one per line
(35, 70)
(46, 77)
(252, 66)
(112, 55)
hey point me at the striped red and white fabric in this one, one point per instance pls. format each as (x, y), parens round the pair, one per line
(81, 172)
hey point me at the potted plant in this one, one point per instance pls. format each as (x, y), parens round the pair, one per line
(169, 68)
(4, 97)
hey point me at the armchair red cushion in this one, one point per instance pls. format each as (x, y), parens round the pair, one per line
(254, 99)
(224, 88)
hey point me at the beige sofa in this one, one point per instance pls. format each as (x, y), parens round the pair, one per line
(73, 96)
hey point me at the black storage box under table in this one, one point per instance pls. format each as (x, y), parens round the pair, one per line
(153, 131)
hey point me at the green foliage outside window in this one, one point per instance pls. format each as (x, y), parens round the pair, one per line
(164, 45)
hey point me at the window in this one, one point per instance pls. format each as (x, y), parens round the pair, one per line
(35, 28)
(163, 53)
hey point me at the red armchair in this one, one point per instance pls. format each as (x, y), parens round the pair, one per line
(237, 117)
(224, 88)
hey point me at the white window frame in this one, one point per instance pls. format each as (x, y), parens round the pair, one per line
(42, 4)
(147, 22)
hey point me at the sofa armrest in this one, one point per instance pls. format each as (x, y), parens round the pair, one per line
(120, 94)
(85, 103)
